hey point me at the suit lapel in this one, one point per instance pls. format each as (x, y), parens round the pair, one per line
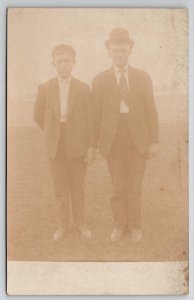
(72, 95)
(133, 92)
(54, 97)
(113, 82)
(131, 78)
(113, 90)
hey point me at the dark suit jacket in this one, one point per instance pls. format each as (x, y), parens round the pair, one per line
(143, 118)
(78, 128)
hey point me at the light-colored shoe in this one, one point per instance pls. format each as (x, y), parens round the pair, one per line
(116, 234)
(58, 235)
(85, 232)
(136, 235)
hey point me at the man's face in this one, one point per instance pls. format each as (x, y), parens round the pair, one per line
(119, 52)
(63, 63)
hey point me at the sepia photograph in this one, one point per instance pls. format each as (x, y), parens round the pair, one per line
(97, 144)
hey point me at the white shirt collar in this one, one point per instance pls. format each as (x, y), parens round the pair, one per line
(61, 80)
(118, 69)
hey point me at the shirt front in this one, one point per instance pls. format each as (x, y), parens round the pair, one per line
(124, 108)
(64, 85)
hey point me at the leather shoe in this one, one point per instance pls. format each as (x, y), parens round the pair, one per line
(136, 235)
(116, 234)
(58, 235)
(85, 232)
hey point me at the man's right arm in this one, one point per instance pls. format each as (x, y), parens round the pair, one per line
(39, 108)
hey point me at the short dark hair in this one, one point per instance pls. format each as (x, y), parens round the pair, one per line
(60, 49)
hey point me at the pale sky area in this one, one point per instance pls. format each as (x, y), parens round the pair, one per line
(160, 38)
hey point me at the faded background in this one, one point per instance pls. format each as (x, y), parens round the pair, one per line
(160, 38)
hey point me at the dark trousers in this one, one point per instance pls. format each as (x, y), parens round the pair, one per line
(68, 184)
(126, 166)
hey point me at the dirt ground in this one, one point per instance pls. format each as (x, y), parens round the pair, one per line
(31, 215)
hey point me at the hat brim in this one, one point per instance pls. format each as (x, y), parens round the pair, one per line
(117, 41)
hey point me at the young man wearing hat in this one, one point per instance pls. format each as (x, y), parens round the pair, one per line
(63, 111)
(126, 131)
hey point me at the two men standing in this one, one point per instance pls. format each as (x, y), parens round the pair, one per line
(119, 118)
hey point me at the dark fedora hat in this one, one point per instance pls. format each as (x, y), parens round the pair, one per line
(119, 35)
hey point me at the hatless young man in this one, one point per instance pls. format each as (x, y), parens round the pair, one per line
(63, 111)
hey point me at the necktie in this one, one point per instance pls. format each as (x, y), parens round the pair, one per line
(123, 88)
